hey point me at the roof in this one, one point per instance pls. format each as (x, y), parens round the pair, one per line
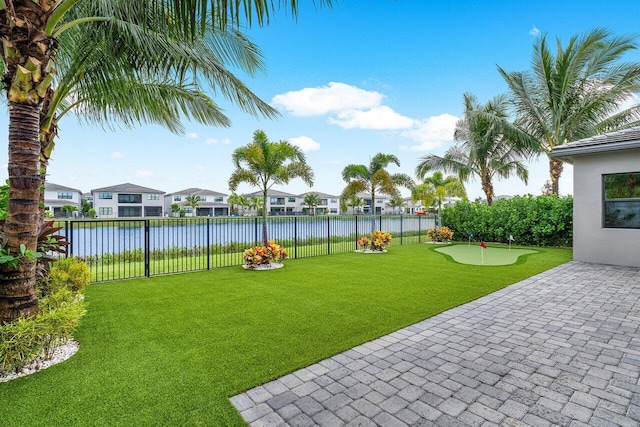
(270, 193)
(197, 192)
(127, 188)
(321, 195)
(626, 139)
(49, 186)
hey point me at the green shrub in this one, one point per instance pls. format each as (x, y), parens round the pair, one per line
(536, 221)
(69, 273)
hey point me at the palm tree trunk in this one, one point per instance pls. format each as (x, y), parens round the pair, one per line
(555, 171)
(487, 187)
(17, 286)
(373, 211)
(265, 239)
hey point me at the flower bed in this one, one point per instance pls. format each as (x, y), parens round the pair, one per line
(377, 242)
(440, 235)
(264, 257)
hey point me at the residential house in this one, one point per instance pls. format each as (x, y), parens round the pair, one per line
(212, 203)
(381, 202)
(128, 200)
(279, 202)
(606, 197)
(56, 196)
(329, 204)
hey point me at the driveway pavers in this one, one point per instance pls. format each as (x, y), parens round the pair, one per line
(558, 349)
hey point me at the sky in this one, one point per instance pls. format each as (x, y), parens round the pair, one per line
(363, 77)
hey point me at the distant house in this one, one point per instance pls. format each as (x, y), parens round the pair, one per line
(212, 203)
(127, 200)
(329, 204)
(279, 202)
(606, 197)
(56, 196)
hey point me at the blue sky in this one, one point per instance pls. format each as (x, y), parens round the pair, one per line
(365, 77)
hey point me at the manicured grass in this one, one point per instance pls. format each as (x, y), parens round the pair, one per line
(171, 350)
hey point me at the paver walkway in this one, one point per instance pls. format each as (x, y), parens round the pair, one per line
(560, 348)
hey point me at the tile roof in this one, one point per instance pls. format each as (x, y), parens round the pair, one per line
(613, 141)
(49, 186)
(127, 188)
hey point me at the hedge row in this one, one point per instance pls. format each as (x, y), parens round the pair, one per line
(535, 221)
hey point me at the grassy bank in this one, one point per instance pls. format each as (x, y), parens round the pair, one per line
(171, 350)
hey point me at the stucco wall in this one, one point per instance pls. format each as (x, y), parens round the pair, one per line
(592, 242)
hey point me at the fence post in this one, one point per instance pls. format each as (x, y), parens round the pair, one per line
(295, 237)
(147, 269)
(255, 227)
(356, 216)
(328, 235)
(208, 243)
(68, 231)
(380, 222)
(419, 228)
(401, 221)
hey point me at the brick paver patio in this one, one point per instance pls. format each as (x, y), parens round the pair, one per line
(560, 348)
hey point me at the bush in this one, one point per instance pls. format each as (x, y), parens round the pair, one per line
(443, 234)
(535, 221)
(61, 305)
(264, 255)
(377, 242)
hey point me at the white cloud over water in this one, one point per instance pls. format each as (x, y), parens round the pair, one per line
(305, 143)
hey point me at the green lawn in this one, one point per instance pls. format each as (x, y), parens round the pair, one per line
(171, 350)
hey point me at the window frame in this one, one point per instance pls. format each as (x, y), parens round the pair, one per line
(608, 202)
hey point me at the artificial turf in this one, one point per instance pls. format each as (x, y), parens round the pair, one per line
(171, 350)
(491, 255)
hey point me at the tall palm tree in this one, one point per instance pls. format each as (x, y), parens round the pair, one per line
(312, 200)
(489, 146)
(435, 189)
(355, 201)
(263, 164)
(374, 179)
(576, 93)
(30, 31)
(397, 202)
(234, 201)
(254, 203)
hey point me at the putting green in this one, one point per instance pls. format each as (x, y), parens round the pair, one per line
(475, 254)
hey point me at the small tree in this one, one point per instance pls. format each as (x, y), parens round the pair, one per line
(175, 209)
(312, 200)
(68, 210)
(194, 202)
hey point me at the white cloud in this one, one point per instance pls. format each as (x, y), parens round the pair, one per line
(534, 31)
(200, 167)
(305, 143)
(632, 100)
(143, 174)
(377, 118)
(431, 133)
(336, 97)
(117, 155)
(213, 141)
(192, 135)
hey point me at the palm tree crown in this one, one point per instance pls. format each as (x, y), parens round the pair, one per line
(436, 188)
(575, 94)
(485, 148)
(263, 164)
(374, 179)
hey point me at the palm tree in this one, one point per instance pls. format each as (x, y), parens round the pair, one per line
(312, 200)
(234, 201)
(435, 189)
(194, 202)
(263, 164)
(489, 146)
(374, 179)
(397, 202)
(576, 93)
(254, 203)
(354, 201)
(30, 31)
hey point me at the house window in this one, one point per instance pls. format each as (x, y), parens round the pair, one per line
(68, 196)
(129, 198)
(292, 199)
(153, 197)
(203, 198)
(177, 198)
(105, 196)
(187, 209)
(152, 211)
(334, 200)
(334, 210)
(105, 211)
(129, 211)
(621, 200)
(218, 199)
(277, 201)
(379, 201)
(323, 202)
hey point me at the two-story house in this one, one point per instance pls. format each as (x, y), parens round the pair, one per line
(212, 203)
(56, 196)
(329, 204)
(127, 200)
(279, 202)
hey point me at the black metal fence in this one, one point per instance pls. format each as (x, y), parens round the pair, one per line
(129, 248)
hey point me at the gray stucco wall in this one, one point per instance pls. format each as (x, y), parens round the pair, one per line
(592, 242)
